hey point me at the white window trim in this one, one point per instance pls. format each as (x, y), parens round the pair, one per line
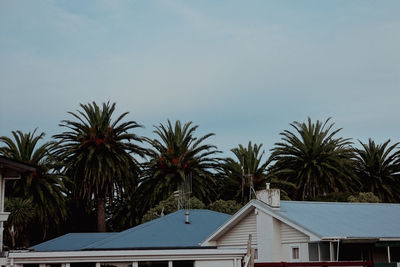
(291, 253)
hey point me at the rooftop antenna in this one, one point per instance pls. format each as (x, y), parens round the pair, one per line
(183, 195)
(244, 176)
(248, 177)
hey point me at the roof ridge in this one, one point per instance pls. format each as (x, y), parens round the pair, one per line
(130, 230)
(338, 202)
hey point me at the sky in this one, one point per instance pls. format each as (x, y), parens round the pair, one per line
(243, 70)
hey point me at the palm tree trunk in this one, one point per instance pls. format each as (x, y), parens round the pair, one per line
(12, 234)
(101, 214)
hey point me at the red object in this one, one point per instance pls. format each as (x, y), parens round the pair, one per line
(315, 263)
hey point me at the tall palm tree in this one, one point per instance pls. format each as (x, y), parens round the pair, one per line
(176, 155)
(97, 153)
(378, 168)
(237, 173)
(44, 187)
(314, 159)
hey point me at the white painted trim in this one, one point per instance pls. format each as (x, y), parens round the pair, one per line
(291, 247)
(256, 204)
(390, 239)
(272, 212)
(245, 210)
(126, 255)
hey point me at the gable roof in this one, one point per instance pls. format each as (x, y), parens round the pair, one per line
(327, 220)
(169, 231)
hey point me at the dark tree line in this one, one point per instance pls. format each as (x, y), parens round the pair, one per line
(98, 174)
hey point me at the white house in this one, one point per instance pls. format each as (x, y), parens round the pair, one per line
(313, 231)
(9, 170)
(286, 231)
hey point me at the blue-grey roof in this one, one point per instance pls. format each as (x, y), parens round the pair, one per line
(338, 219)
(71, 242)
(169, 231)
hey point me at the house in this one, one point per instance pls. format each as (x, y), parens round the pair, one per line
(171, 240)
(313, 231)
(9, 170)
(281, 231)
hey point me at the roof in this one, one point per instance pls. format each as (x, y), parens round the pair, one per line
(327, 220)
(71, 242)
(13, 168)
(165, 232)
(169, 231)
(344, 219)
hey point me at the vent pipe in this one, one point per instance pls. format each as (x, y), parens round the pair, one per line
(187, 217)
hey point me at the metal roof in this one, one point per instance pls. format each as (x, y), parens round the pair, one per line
(169, 231)
(71, 242)
(345, 220)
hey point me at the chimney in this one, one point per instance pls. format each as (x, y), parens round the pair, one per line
(272, 197)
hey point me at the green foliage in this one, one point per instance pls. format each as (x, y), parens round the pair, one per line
(97, 154)
(44, 188)
(378, 167)
(314, 159)
(332, 197)
(21, 214)
(168, 206)
(225, 206)
(21, 211)
(124, 213)
(176, 155)
(367, 197)
(236, 174)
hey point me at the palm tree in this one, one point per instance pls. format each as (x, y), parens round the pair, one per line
(237, 174)
(377, 166)
(176, 155)
(314, 159)
(21, 213)
(44, 187)
(97, 153)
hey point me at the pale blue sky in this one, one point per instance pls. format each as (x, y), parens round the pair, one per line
(241, 69)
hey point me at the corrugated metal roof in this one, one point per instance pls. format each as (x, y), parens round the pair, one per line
(169, 231)
(71, 242)
(338, 219)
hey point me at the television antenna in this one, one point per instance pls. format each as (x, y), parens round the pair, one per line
(183, 193)
(248, 178)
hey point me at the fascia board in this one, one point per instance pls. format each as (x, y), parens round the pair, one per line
(263, 207)
(125, 255)
(257, 204)
(229, 223)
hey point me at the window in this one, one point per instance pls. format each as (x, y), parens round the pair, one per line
(313, 253)
(324, 250)
(153, 264)
(295, 253)
(183, 263)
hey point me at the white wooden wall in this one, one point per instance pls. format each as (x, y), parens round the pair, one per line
(238, 235)
(291, 235)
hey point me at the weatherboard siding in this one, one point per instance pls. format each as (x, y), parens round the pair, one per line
(291, 235)
(238, 235)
